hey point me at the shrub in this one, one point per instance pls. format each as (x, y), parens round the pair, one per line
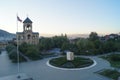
(115, 57)
(111, 74)
(78, 62)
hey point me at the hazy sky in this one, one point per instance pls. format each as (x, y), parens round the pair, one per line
(62, 16)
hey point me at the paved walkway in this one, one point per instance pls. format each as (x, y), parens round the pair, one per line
(39, 70)
(24, 56)
(20, 76)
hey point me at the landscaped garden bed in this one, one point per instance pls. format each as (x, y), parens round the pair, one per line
(114, 74)
(78, 62)
(114, 60)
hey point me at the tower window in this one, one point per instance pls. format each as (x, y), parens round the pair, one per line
(28, 27)
(29, 36)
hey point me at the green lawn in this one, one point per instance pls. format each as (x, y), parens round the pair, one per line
(114, 60)
(113, 74)
(78, 62)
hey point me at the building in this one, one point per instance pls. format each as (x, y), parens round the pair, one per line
(28, 36)
(3, 44)
(110, 36)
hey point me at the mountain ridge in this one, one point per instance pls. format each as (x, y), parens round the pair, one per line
(4, 35)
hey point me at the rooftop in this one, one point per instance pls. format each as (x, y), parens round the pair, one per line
(27, 20)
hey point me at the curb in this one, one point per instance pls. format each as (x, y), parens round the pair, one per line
(94, 63)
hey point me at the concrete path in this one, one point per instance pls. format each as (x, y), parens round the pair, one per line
(20, 76)
(39, 70)
(24, 56)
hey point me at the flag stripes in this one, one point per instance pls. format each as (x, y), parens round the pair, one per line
(19, 19)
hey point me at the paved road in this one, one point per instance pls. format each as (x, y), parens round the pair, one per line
(40, 71)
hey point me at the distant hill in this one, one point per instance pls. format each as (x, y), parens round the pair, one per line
(4, 35)
(70, 36)
(73, 36)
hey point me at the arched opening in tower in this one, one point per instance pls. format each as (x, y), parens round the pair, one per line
(29, 36)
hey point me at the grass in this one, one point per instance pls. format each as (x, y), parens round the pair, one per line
(78, 62)
(113, 74)
(114, 60)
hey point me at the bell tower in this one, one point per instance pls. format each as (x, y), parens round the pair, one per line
(27, 25)
(28, 36)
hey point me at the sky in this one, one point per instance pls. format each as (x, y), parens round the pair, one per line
(62, 16)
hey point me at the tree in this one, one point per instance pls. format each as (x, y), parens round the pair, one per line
(23, 47)
(97, 44)
(30, 51)
(10, 47)
(117, 45)
(60, 40)
(109, 46)
(93, 36)
(46, 44)
(85, 46)
(65, 46)
(12, 53)
(73, 48)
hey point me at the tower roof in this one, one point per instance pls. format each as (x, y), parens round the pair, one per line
(27, 20)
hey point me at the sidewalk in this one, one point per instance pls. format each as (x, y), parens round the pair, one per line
(20, 76)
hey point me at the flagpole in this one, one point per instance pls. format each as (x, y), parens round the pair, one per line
(18, 64)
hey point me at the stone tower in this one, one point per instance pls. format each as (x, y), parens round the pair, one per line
(28, 36)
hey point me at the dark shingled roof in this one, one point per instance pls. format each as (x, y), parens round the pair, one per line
(27, 20)
(35, 33)
(19, 32)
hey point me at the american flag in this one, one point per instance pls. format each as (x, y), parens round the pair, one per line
(19, 19)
